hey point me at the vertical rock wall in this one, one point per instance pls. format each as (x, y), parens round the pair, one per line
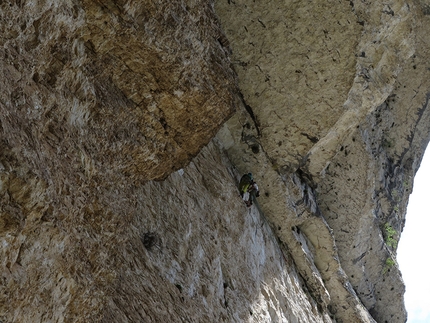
(334, 95)
(185, 249)
(99, 98)
(195, 253)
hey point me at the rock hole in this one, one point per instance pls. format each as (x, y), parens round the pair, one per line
(36, 77)
(149, 239)
(163, 122)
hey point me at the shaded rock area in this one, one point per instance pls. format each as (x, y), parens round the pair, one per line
(126, 125)
(130, 87)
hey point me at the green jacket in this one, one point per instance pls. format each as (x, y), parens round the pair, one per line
(245, 182)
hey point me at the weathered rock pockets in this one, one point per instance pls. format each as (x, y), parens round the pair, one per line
(131, 85)
(338, 102)
(98, 99)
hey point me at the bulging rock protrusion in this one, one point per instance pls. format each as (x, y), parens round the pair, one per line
(135, 89)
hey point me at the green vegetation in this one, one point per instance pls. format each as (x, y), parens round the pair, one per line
(390, 234)
(388, 264)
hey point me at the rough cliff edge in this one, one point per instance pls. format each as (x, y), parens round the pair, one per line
(125, 126)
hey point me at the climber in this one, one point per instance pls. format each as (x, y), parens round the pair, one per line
(248, 189)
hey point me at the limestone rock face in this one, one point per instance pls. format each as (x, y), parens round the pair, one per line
(119, 169)
(185, 249)
(130, 87)
(334, 96)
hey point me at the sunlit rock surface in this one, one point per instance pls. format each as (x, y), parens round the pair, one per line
(335, 100)
(327, 105)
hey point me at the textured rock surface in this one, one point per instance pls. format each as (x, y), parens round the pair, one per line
(127, 87)
(98, 99)
(335, 97)
(185, 249)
